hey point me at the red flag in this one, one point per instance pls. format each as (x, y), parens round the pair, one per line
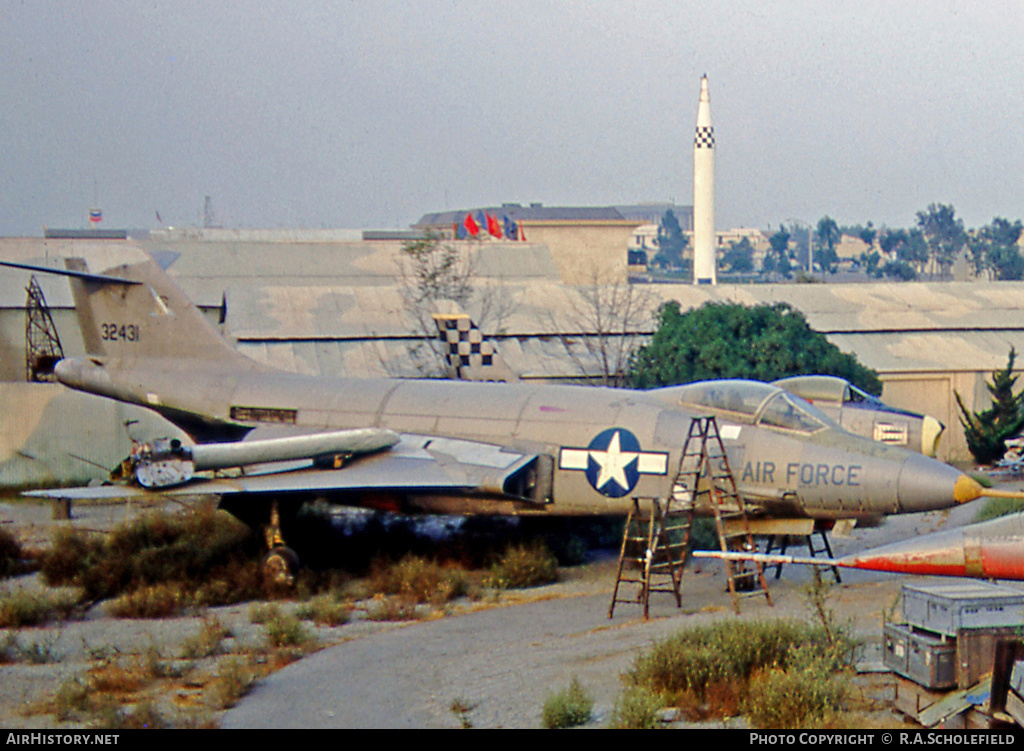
(493, 227)
(471, 226)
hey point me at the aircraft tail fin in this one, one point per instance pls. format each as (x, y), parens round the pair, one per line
(470, 357)
(134, 310)
(145, 315)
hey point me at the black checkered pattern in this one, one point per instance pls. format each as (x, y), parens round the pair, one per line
(705, 138)
(465, 343)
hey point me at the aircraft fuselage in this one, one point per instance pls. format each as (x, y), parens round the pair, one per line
(604, 445)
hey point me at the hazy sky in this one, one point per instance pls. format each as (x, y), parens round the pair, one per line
(370, 113)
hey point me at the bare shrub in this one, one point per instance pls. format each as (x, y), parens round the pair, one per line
(20, 607)
(636, 709)
(797, 698)
(206, 546)
(526, 565)
(696, 658)
(11, 554)
(568, 708)
(325, 610)
(417, 580)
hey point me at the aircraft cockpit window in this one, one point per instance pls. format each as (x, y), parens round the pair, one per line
(785, 411)
(738, 397)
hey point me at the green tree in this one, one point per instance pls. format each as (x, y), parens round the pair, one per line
(739, 258)
(828, 236)
(899, 270)
(727, 340)
(944, 233)
(994, 248)
(777, 258)
(671, 243)
(987, 431)
(867, 234)
(906, 253)
(871, 261)
(800, 241)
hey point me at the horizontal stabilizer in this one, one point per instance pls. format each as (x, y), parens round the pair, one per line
(85, 275)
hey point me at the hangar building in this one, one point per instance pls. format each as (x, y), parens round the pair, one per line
(331, 302)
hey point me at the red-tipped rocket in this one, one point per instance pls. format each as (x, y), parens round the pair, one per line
(992, 549)
(704, 192)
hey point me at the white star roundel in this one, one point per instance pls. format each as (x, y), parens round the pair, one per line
(614, 462)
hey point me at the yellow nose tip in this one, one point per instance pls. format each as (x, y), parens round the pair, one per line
(967, 489)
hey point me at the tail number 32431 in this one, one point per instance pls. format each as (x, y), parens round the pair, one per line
(125, 332)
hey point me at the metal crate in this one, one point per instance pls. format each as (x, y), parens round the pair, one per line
(927, 659)
(949, 608)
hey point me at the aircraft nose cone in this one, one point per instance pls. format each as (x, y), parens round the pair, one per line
(926, 484)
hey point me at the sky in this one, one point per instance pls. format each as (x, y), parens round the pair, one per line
(371, 113)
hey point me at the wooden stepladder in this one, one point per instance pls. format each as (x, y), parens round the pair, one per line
(658, 543)
(704, 457)
(654, 549)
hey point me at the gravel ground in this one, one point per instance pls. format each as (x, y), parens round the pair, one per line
(500, 659)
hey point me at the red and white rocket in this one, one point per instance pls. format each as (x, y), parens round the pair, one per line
(993, 549)
(704, 192)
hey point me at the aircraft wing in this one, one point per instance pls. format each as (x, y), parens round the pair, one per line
(414, 464)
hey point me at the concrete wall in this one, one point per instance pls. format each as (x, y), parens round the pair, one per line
(584, 251)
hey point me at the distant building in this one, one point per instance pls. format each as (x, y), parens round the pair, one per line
(642, 247)
(586, 242)
(850, 249)
(643, 243)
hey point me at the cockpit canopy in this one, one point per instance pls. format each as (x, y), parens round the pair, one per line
(752, 402)
(833, 391)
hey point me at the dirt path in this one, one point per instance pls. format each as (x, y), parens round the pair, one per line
(504, 662)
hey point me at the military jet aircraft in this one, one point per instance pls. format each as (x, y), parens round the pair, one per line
(864, 414)
(266, 439)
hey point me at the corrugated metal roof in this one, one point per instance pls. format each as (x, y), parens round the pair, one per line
(931, 351)
(887, 306)
(270, 312)
(316, 293)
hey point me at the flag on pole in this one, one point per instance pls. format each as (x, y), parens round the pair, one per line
(493, 227)
(511, 228)
(471, 226)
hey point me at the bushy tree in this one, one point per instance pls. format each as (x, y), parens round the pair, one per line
(739, 258)
(987, 431)
(777, 259)
(727, 340)
(828, 236)
(994, 248)
(671, 242)
(944, 233)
